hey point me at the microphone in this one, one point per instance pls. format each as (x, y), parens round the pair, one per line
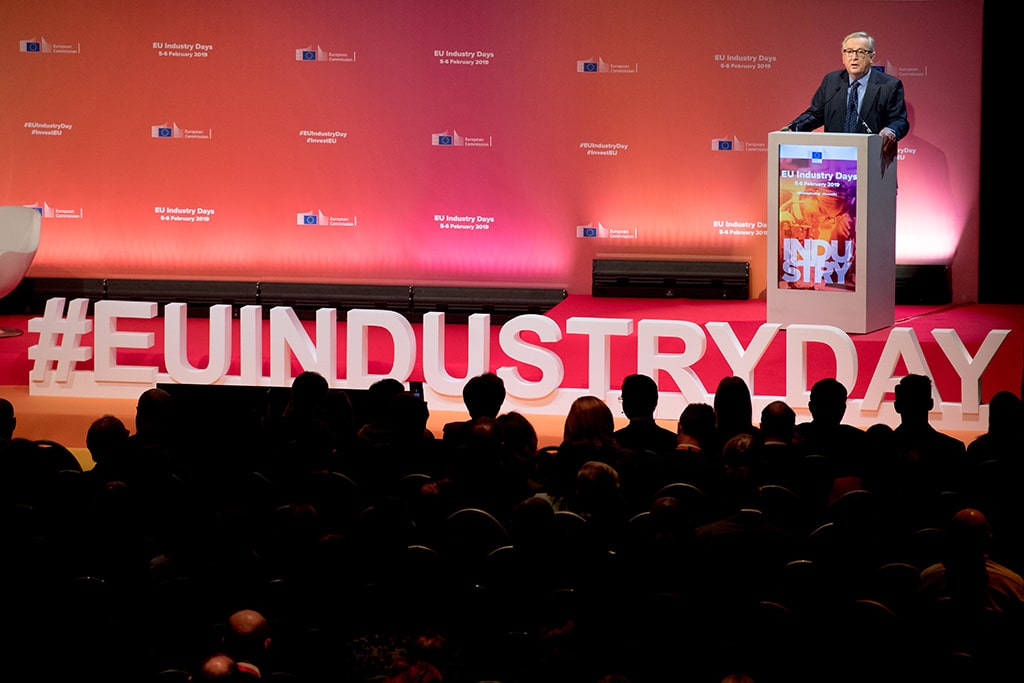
(810, 115)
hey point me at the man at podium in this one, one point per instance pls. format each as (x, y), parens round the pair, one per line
(858, 99)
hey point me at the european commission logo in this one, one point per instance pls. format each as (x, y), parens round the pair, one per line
(726, 145)
(165, 131)
(34, 45)
(47, 211)
(318, 54)
(319, 218)
(42, 45)
(311, 54)
(446, 139)
(173, 131)
(593, 230)
(592, 66)
(817, 157)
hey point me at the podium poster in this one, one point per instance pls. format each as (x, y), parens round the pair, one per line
(817, 217)
(832, 231)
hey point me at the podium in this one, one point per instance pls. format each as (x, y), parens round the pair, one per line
(831, 231)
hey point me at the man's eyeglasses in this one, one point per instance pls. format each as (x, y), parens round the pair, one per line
(849, 52)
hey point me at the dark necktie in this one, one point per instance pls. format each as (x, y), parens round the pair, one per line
(852, 115)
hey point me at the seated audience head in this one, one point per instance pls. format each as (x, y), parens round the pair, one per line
(520, 435)
(597, 483)
(308, 393)
(969, 534)
(531, 521)
(247, 637)
(7, 420)
(827, 402)
(738, 463)
(1005, 414)
(483, 395)
(697, 421)
(639, 396)
(966, 560)
(589, 421)
(106, 440)
(914, 398)
(778, 421)
(599, 497)
(409, 416)
(379, 396)
(218, 667)
(734, 410)
(154, 413)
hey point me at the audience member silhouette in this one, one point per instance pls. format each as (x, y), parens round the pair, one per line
(734, 411)
(743, 551)
(218, 667)
(396, 444)
(996, 467)
(303, 431)
(780, 459)
(107, 443)
(480, 473)
(8, 421)
(639, 402)
(927, 461)
(483, 396)
(155, 445)
(695, 459)
(598, 498)
(825, 434)
(588, 434)
(425, 660)
(649, 444)
(776, 457)
(248, 641)
(1004, 438)
(971, 603)
(968, 575)
(28, 478)
(374, 418)
(522, 454)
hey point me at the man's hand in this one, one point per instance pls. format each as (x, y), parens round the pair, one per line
(889, 148)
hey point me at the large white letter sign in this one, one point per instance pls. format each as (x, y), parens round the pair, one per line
(599, 332)
(176, 345)
(797, 339)
(478, 353)
(650, 360)
(512, 344)
(357, 353)
(107, 340)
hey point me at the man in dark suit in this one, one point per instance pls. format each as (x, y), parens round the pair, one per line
(880, 107)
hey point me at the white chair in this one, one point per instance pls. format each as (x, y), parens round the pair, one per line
(19, 240)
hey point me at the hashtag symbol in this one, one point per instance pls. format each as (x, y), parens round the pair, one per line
(582, 145)
(68, 351)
